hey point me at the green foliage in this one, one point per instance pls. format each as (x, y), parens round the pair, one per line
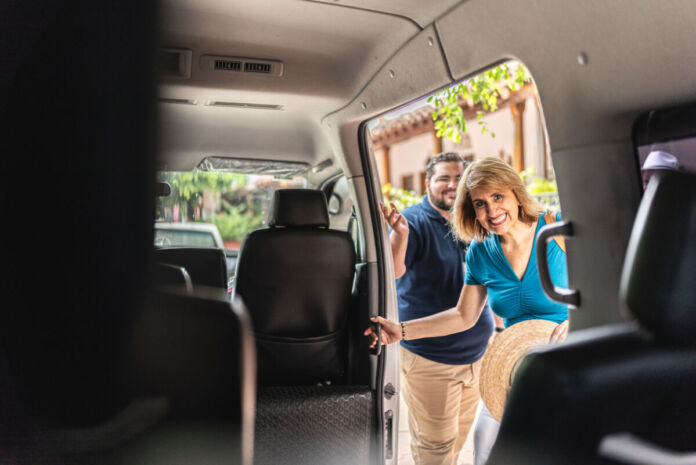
(536, 184)
(236, 222)
(401, 198)
(192, 184)
(542, 190)
(240, 207)
(485, 89)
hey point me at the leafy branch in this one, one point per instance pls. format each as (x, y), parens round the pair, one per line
(484, 89)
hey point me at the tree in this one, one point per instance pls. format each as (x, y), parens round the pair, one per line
(188, 187)
(484, 89)
(401, 198)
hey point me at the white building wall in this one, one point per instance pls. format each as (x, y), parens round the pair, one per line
(409, 157)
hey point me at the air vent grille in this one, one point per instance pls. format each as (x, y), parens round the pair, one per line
(233, 65)
(228, 65)
(257, 68)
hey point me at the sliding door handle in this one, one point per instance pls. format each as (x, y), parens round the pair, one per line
(559, 294)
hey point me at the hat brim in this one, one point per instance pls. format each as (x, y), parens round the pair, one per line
(503, 356)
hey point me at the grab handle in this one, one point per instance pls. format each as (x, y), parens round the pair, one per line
(377, 349)
(559, 294)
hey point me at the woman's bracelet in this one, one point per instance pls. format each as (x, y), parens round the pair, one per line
(403, 332)
(498, 329)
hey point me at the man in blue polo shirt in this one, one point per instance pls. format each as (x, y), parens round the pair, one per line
(439, 380)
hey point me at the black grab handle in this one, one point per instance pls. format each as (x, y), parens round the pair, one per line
(559, 294)
(377, 349)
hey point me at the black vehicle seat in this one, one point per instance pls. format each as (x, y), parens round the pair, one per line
(170, 276)
(297, 279)
(205, 266)
(628, 388)
(188, 372)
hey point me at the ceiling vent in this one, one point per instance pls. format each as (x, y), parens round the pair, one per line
(228, 65)
(174, 63)
(237, 65)
(257, 67)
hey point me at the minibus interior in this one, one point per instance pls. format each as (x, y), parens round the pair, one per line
(115, 349)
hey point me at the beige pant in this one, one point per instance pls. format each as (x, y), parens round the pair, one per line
(442, 401)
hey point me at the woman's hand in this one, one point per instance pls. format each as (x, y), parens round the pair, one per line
(391, 331)
(560, 332)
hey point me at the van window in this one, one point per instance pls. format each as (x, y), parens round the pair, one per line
(216, 209)
(493, 114)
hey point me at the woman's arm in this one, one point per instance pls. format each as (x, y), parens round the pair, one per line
(460, 318)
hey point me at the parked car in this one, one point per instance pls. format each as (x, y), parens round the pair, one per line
(169, 234)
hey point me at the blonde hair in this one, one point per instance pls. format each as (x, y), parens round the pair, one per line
(492, 174)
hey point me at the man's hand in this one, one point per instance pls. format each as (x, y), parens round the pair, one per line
(395, 220)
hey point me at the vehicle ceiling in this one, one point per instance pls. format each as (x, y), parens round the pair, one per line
(337, 56)
(330, 49)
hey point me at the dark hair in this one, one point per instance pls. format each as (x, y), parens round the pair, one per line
(441, 158)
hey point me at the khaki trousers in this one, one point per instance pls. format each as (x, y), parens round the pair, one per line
(442, 401)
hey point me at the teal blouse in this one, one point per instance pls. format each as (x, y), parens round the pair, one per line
(511, 298)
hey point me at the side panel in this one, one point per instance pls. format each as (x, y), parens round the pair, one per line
(601, 204)
(582, 79)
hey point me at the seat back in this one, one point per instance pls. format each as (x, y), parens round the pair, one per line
(205, 266)
(632, 382)
(296, 278)
(188, 370)
(171, 276)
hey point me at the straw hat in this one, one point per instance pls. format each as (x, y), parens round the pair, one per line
(500, 362)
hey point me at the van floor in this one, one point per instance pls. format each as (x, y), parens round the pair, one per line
(466, 456)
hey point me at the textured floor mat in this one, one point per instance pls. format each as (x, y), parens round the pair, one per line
(313, 425)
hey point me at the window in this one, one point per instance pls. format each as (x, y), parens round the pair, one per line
(216, 206)
(472, 120)
(407, 182)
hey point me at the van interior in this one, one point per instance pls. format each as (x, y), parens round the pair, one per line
(117, 347)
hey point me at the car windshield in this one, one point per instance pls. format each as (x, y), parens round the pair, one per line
(206, 207)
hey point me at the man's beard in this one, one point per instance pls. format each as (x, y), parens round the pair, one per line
(440, 202)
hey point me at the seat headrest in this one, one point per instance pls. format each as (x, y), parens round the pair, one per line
(657, 282)
(299, 207)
